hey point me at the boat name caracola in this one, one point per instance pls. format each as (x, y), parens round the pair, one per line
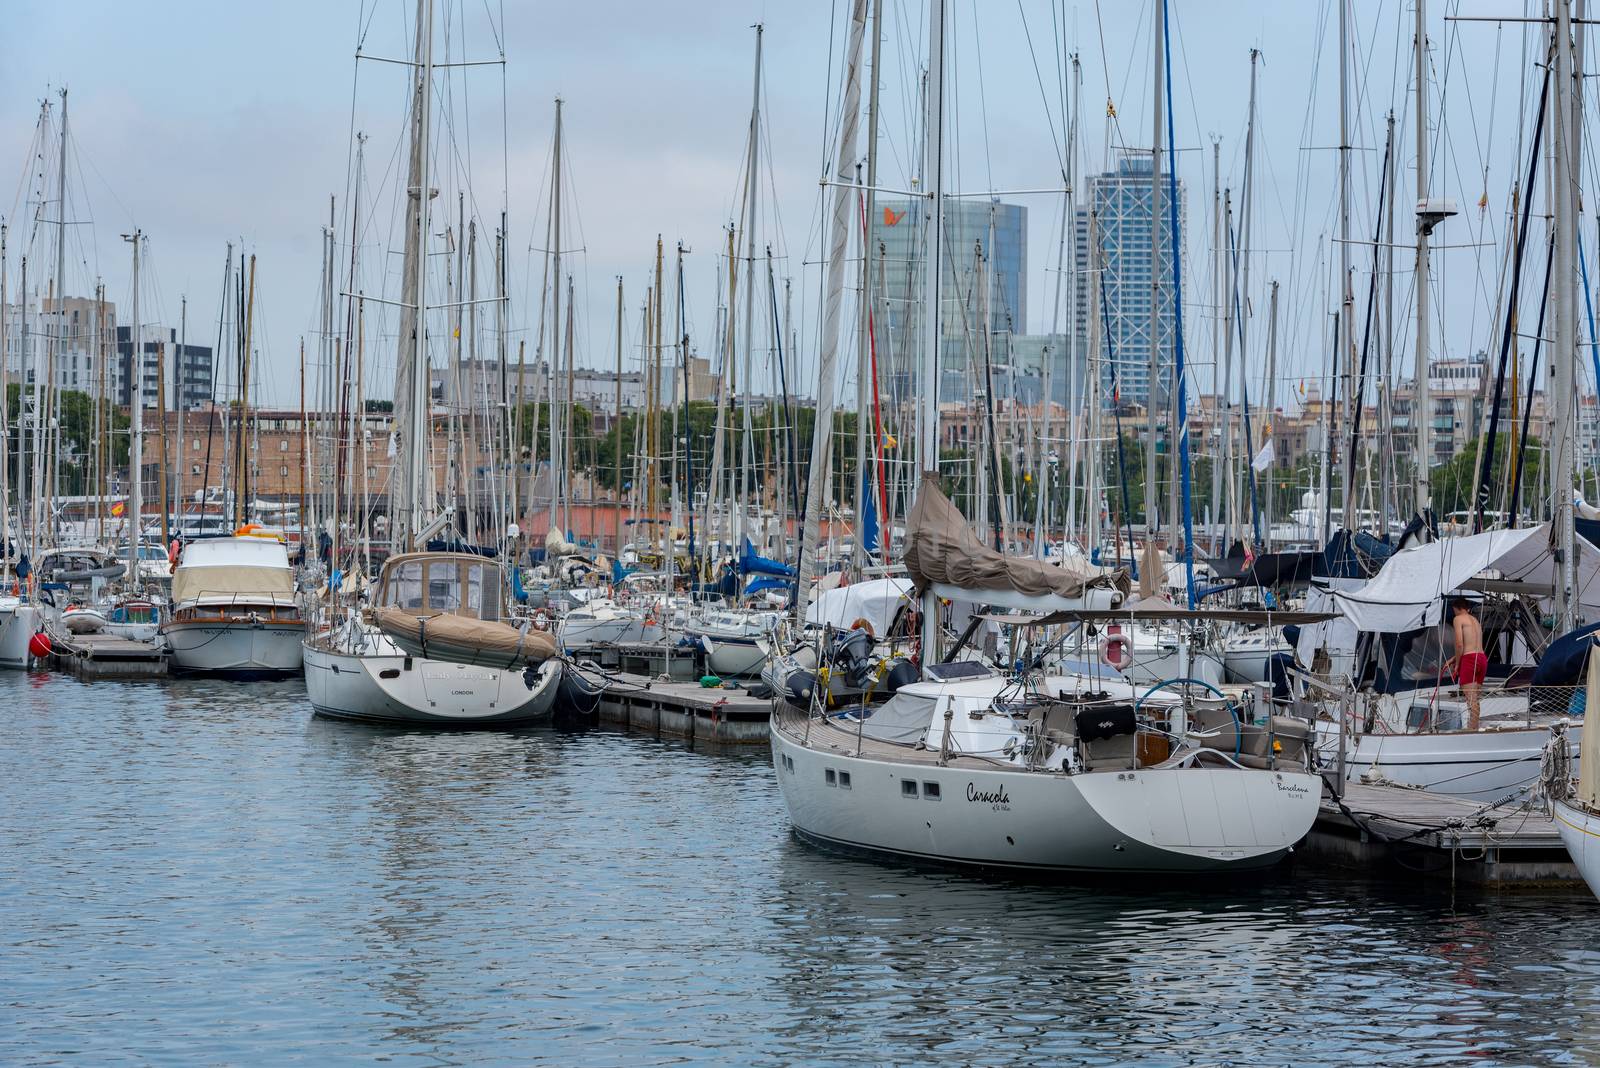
(998, 798)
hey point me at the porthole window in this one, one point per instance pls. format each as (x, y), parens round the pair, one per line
(844, 780)
(831, 779)
(930, 790)
(908, 788)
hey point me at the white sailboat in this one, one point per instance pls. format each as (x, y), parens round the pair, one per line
(354, 670)
(358, 672)
(1042, 773)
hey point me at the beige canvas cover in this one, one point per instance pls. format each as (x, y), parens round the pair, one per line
(231, 580)
(463, 640)
(942, 550)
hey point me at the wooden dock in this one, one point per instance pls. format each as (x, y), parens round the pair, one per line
(106, 656)
(684, 709)
(1433, 836)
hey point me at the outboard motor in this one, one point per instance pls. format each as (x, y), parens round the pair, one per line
(852, 656)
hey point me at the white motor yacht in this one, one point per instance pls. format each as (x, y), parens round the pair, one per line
(234, 611)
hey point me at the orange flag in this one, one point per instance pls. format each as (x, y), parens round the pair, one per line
(890, 218)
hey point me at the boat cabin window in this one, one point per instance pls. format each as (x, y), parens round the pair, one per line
(468, 588)
(405, 586)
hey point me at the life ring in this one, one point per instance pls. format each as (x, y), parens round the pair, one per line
(541, 620)
(1115, 650)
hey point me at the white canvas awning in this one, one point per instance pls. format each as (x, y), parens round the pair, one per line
(1409, 591)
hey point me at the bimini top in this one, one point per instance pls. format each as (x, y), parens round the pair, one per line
(430, 584)
(233, 567)
(1410, 590)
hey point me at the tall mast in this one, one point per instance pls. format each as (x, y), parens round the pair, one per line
(838, 245)
(136, 414)
(411, 416)
(1270, 398)
(1385, 415)
(1219, 298)
(1152, 512)
(1566, 130)
(616, 512)
(1246, 216)
(177, 381)
(1422, 401)
(933, 278)
(558, 458)
(1347, 297)
(747, 451)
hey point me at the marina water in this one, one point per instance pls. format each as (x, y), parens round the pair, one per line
(203, 872)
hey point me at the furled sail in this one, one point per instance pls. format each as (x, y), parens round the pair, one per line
(461, 640)
(943, 553)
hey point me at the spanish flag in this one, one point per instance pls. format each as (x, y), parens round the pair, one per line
(119, 508)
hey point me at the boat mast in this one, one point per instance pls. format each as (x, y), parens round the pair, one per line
(865, 382)
(411, 388)
(838, 246)
(136, 414)
(616, 512)
(558, 459)
(933, 278)
(1566, 142)
(1422, 401)
(1272, 411)
(1347, 297)
(1385, 399)
(177, 384)
(747, 446)
(1152, 512)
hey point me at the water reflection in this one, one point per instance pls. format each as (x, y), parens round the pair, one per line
(204, 871)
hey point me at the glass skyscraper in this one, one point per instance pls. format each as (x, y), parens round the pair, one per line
(1121, 202)
(980, 238)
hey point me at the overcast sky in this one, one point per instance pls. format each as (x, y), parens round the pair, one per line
(204, 123)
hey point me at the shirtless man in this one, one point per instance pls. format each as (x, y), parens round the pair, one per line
(1470, 663)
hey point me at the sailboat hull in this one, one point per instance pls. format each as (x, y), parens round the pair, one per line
(1484, 765)
(390, 687)
(1188, 820)
(1580, 833)
(18, 622)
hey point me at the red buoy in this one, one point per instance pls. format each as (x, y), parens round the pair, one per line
(39, 645)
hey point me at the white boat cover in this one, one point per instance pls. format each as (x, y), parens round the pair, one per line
(460, 640)
(877, 601)
(1409, 591)
(943, 553)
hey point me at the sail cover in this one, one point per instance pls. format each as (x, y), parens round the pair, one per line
(943, 554)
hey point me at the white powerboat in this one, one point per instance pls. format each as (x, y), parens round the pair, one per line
(233, 608)
(735, 640)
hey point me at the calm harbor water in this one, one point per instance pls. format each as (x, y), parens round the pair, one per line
(201, 872)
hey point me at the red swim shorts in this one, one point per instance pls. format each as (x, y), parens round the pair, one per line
(1472, 668)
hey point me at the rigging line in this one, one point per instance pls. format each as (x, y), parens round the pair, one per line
(1105, 71)
(1039, 80)
(983, 106)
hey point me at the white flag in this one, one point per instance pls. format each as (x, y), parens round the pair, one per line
(1265, 457)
